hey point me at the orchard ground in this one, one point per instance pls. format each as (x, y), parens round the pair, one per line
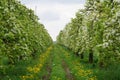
(59, 63)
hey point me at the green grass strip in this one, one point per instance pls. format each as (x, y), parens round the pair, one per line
(58, 72)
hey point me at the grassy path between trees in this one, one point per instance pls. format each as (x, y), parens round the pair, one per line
(63, 65)
(57, 63)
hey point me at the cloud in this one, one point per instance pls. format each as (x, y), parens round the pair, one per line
(49, 16)
(54, 14)
(53, 28)
(54, 1)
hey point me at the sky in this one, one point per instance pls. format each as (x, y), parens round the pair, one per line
(54, 14)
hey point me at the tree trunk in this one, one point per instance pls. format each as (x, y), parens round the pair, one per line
(101, 64)
(77, 54)
(91, 57)
(82, 56)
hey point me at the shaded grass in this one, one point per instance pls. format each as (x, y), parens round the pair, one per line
(14, 72)
(110, 73)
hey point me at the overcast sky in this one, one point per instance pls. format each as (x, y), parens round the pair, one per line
(54, 14)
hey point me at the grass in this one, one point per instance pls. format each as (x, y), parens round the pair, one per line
(77, 69)
(26, 70)
(48, 66)
(58, 72)
(46, 70)
(14, 71)
(110, 73)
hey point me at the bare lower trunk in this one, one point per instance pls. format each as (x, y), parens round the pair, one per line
(81, 56)
(91, 57)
